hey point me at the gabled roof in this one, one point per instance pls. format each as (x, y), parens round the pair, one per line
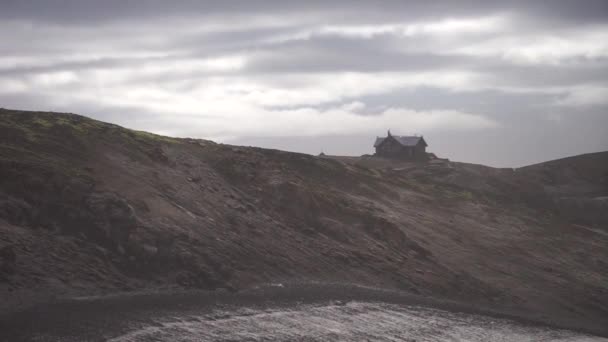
(403, 140)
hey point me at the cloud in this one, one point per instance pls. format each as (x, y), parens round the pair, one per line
(447, 26)
(545, 48)
(585, 96)
(343, 119)
(94, 12)
(229, 70)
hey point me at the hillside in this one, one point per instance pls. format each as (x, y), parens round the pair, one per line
(89, 208)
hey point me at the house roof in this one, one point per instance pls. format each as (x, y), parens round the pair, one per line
(403, 140)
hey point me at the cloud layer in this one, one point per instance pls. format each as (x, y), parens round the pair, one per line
(483, 81)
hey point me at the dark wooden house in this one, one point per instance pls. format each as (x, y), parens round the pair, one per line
(401, 147)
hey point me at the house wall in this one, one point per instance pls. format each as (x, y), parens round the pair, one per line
(392, 149)
(420, 151)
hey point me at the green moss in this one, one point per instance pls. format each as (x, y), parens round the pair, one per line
(79, 125)
(142, 135)
(44, 122)
(36, 127)
(466, 195)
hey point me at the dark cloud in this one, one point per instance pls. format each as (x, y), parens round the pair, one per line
(331, 53)
(91, 11)
(539, 76)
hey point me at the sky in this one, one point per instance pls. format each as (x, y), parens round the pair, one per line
(501, 83)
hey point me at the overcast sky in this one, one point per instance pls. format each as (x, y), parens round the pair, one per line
(503, 83)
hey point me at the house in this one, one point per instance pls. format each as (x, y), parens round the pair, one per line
(401, 147)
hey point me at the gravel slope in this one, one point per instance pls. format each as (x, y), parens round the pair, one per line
(90, 208)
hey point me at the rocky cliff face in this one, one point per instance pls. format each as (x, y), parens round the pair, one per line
(88, 207)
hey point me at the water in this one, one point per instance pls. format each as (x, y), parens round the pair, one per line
(353, 321)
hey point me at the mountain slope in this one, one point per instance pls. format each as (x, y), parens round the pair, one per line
(88, 207)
